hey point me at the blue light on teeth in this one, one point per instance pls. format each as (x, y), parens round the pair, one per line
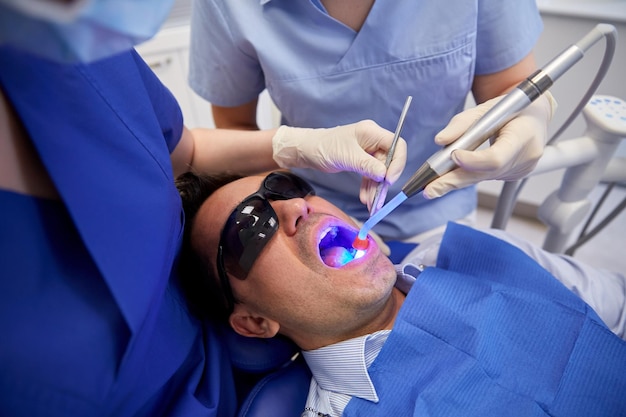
(349, 257)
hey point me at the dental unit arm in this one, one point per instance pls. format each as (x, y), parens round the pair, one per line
(488, 125)
(588, 160)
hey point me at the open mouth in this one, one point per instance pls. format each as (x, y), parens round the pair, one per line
(335, 246)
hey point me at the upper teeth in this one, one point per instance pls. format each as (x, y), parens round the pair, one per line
(324, 233)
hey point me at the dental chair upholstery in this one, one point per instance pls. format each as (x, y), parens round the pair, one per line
(280, 393)
(271, 377)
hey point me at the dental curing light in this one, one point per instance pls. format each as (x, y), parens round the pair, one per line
(485, 127)
(360, 243)
(335, 247)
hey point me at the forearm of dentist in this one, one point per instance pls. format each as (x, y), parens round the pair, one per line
(359, 147)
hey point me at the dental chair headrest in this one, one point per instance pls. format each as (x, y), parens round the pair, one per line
(280, 394)
(259, 355)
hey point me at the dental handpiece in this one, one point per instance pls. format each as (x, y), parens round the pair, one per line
(506, 109)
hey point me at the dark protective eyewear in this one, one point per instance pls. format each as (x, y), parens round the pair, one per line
(253, 223)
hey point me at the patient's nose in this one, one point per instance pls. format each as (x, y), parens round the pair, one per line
(290, 213)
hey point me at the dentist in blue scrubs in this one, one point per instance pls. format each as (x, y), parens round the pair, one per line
(91, 317)
(330, 62)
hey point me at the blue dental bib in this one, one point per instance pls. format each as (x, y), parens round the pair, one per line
(488, 332)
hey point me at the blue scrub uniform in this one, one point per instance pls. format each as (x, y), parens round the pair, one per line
(321, 73)
(92, 321)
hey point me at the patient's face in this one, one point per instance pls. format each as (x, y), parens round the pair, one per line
(289, 282)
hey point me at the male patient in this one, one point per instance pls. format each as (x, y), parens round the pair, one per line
(487, 331)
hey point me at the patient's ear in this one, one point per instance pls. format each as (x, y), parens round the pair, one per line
(251, 325)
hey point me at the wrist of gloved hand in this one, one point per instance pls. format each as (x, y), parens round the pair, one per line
(512, 155)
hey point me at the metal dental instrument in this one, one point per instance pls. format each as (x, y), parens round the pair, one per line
(507, 108)
(383, 186)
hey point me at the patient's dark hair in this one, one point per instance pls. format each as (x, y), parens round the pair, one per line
(199, 284)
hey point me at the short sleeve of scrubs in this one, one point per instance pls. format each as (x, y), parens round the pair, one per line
(506, 32)
(221, 69)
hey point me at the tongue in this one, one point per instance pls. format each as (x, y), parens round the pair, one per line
(336, 256)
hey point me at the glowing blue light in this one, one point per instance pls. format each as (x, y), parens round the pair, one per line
(345, 258)
(336, 248)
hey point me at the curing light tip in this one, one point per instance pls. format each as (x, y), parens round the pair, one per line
(360, 244)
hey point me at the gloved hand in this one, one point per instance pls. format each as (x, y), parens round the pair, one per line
(512, 155)
(359, 147)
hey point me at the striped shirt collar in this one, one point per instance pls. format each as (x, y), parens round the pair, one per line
(340, 370)
(342, 367)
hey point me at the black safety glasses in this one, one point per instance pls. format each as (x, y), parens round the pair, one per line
(253, 223)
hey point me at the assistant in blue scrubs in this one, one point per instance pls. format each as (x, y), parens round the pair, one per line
(91, 318)
(321, 73)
